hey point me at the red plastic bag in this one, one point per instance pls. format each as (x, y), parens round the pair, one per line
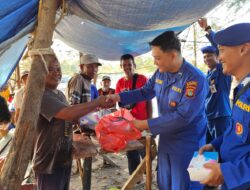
(114, 130)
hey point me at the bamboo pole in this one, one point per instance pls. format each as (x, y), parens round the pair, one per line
(148, 163)
(18, 80)
(195, 45)
(20, 152)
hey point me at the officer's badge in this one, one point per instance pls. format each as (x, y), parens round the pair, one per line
(176, 89)
(159, 81)
(191, 87)
(172, 104)
(238, 128)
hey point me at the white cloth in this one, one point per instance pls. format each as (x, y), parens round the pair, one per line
(18, 98)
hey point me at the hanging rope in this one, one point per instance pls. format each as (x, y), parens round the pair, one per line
(41, 52)
(64, 9)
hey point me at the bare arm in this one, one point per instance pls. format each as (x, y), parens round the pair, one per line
(74, 112)
(149, 109)
(17, 114)
(141, 124)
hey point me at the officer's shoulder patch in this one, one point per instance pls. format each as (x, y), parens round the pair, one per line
(158, 81)
(191, 87)
(238, 128)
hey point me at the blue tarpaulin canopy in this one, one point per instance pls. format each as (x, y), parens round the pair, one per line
(105, 28)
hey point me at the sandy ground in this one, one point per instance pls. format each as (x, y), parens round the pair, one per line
(109, 178)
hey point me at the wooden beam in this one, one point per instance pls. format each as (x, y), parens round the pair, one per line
(18, 80)
(109, 160)
(21, 149)
(140, 170)
(136, 176)
(148, 163)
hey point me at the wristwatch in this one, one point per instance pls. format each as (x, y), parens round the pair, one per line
(208, 28)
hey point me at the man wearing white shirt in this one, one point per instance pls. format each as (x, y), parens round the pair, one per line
(18, 99)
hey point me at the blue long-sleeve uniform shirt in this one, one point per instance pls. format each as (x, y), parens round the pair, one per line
(234, 145)
(93, 92)
(181, 106)
(217, 102)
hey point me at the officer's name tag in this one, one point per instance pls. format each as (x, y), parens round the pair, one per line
(213, 88)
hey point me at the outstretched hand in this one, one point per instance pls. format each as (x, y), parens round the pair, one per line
(103, 103)
(203, 23)
(113, 98)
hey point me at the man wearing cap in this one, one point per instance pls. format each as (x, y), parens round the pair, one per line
(79, 86)
(234, 146)
(18, 98)
(79, 90)
(106, 83)
(218, 108)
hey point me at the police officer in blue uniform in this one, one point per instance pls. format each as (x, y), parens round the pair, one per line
(217, 106)
(181, 90)
(234, 146)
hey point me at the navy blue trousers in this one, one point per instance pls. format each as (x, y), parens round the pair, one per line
(172, 172)
(59, 180)
(134, 159)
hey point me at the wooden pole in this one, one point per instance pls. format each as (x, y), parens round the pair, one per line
(18, 80)
(148, 163)
(195, 45)
(21, 149)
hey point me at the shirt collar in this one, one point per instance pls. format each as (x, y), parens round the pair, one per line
(86, 77)
(245, 81)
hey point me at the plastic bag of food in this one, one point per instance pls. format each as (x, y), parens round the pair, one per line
(114, 130)
(196, 170)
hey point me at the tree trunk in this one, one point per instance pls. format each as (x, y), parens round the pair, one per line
(21, 149)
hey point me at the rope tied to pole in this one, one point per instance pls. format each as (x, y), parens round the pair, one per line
(41, 52)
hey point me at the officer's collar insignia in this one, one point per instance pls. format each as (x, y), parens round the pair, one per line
(191, 87)
(245, 81)
(173, 104)
(176, 89)
(180, 73)
(158, 81)
(238, 128)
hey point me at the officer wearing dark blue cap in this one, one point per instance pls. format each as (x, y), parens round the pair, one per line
(218, 108)
(234, 146)
(209, 49)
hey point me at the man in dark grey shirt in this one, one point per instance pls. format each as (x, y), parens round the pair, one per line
(52, 155)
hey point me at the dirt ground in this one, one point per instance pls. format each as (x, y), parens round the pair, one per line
(110, 178)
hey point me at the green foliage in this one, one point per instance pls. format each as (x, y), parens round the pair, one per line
(113, 188)
(236, 4)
